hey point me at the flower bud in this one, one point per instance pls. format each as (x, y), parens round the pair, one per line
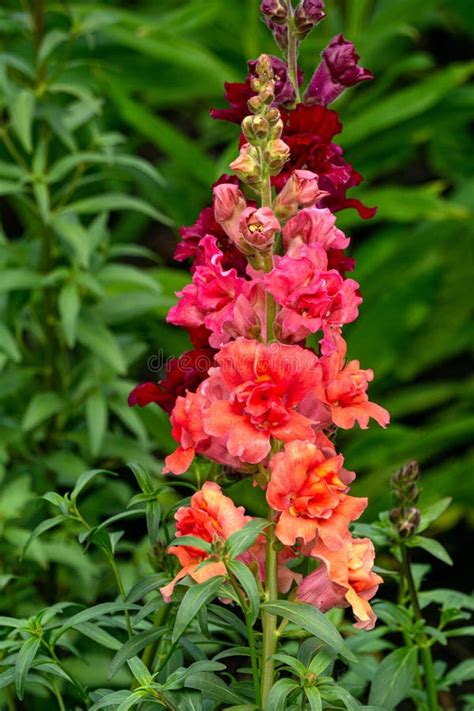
(276, 155)
(279, 32)
(246, 165)
(337, 71)
(300, 190)
(307, 15)
(275, 10)
(404, 483)
(229, 204)
(258, 227)
(409, 523)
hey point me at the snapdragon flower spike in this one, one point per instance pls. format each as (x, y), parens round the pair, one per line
(269, 269)
(338, 70)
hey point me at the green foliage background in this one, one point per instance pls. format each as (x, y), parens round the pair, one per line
(85, 254)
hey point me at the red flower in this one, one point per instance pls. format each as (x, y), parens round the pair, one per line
(308, 132)
(182, 374)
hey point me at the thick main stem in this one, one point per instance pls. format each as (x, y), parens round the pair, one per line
(425, 650)
(269, 622)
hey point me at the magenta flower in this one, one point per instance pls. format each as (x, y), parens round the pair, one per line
(337, 71)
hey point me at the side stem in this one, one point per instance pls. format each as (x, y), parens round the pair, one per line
(425, 649)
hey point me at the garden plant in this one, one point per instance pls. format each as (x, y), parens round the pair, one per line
(234, 573)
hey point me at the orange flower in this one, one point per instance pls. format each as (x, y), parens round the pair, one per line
(309, 485)
(211, 516)
(345, 578)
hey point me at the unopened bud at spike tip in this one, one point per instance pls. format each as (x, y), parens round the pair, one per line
(307, 15)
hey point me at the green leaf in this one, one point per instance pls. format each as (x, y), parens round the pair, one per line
(242, 540)
(13, 279)
(22, 111)
(406, 103)
(85, 478)
(64, 165)
(139, 671)
(142, 476)
(313, 621)
(461, 673)
(51, 40)
(338, 692)
(24, 660)
(213, 687)
(193, 541)
(246, 580)
(96, 418)
(69, 229)
(108, 202)
(433, 512)
(40, 408)
(314, 698)
(133, 646)
(103, 344)
(41, 528)
(105, 608)
(113, 699)
(431, 546)
(279, 694)
(144, 586)
(197, 596)
(99, 635)
(394, 678)
(8, 344)
(69, 305)
(153, 518)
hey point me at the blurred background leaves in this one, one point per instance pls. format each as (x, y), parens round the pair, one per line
(108, 145)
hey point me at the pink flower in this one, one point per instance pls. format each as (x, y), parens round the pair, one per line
(300, 190)
(210, 298)
(312, 297)
(310, 489)
(258, 228)
(252, 397)
(344, 391)
(265, 385)
(313, 226)
(229, 204)
(345, 578)
(211, 516)
(188, 430)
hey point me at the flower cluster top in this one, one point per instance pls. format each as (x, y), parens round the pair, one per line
(268, 381)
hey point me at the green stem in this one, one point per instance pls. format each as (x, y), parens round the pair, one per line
(293, 58)
(10, 699)
(251, 640)
(269, 622)
(425, 650)
(59, 698)
(121, 588)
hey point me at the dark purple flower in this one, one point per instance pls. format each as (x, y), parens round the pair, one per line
(337, 71)
(307, 15)
(275, 11)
